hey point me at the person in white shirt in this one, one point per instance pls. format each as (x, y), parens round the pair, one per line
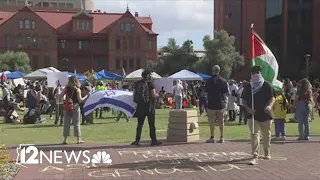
(5, 96)
(177, 92)
(232, 101)
(242, 115)
(59, 105)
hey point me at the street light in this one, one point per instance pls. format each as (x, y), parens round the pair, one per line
(307, 57)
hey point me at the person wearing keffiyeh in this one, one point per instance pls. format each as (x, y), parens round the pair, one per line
(260, 115)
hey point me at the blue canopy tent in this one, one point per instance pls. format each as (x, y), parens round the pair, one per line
(104, 74)
(80, 77)
(204, 76)
(15, 75)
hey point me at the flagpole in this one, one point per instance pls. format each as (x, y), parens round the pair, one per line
(252, 63)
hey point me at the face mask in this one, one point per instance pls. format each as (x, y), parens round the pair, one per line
(256, 76)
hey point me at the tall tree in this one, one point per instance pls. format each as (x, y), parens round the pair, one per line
(15, 61)
(220, 51)
(174, 58)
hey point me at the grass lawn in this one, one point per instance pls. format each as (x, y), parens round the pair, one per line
(108, 131)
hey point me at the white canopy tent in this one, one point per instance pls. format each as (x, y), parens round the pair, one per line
(136, 75)
(40, 73)
(186, 75)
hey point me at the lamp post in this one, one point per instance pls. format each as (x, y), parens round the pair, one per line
(307, 58)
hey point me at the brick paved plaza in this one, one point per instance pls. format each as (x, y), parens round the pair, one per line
(290, 160)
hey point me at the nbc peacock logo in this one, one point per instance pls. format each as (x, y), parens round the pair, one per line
(101, 157)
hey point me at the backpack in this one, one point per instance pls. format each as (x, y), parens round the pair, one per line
(68, 103)
(141, 93)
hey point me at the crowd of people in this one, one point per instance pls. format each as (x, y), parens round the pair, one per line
(217, 97)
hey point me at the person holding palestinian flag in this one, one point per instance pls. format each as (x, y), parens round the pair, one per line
(258, 97)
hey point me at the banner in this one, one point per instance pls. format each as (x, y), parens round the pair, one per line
(115, 99)
(165, 83)
(54, 78)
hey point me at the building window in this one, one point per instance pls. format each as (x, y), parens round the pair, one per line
(122, 27)
(83, 25)
(35, 62)
(118, 42)
(124, 43)
(64, 64)
(62, 5)
(103, 45)
(138, 43)
(33, 24)
(83, 44)
(127, 27)
(131, 63)
(45, 4)
(47, 61)
(27, 24)
(54, 5)
(138, 62)
(21, 24)
(46, 42)
(150, 44)
(63, 44)
(69, 5)
(20, 41)
(124, 62)
(131, 42)
(34, 41)
(8, 41)
(118, 63)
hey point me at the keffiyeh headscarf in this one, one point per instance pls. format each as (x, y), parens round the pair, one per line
(256, 82)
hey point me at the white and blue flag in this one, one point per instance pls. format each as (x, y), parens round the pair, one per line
(115, 99)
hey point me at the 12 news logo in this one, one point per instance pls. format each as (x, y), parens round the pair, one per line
(57, 156)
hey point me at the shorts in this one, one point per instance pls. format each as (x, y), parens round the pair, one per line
(215, 116)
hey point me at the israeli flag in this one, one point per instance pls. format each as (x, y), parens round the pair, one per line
(115, 99)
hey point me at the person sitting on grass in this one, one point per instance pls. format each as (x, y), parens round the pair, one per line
(280, 113)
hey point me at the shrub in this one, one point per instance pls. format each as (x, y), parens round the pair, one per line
(4, 160)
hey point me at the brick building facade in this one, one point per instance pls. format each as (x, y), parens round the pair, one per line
(289, 28)
(79, 40)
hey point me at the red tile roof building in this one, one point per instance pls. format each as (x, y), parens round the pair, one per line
(79, 40)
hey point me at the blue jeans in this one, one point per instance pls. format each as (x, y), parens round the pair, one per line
(279, 127)
(302, 115)
(203, 104)
(178, 102)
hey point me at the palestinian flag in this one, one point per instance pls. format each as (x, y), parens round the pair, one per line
(262, 56)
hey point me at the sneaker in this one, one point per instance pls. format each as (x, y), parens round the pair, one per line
(275, 139)
(306, 139)
(267, 157)
(211, 140)
(254, 161)
(135, 143)
(283, 138)
(156, 143)
(299, 139)
(221, 140)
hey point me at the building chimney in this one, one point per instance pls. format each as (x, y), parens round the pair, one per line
(136, 14)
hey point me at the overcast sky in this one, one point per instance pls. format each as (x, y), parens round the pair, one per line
(181, 19)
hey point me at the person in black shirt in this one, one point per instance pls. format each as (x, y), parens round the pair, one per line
(203, 100)
(218, 91)
(261, 111)
(147, 109)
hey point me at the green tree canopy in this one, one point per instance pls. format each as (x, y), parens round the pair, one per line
(174, 58)
(15, 61)
(220, 51)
